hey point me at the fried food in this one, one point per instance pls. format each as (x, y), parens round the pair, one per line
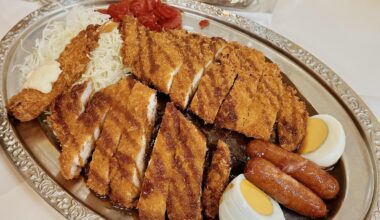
(228, 85)
(197, 52)
(127, 163)
(99, 173)
(66, 109)
(215, 85)
(283, 188)
(184, 200)
(250, 111)
(152, 56)
(30, 103)
(235, 108)
(292, 120)
(129, 30)
(303, 170)
(174, 176)
(77, 149)
(155, 188)
(217, 179)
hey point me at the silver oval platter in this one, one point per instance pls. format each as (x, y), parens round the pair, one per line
(36, 156)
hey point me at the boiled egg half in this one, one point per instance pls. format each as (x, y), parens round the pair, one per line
(244, 201)
(324, 141)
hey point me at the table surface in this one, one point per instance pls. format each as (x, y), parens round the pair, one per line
(344, 34)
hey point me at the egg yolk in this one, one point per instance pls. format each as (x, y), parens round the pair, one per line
(316, 134)
(256, 198)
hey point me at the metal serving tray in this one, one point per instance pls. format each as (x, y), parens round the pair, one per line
(29, 148)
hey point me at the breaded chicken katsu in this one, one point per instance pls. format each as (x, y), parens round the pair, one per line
(198, 52)
(207, 84)
(105, 147)
(77, 149)
(155, 187)
(30, 103)
(217, 179)
(235, 109)
(152, 56)
(127, 163)
(174, 175)
(184, 200)
(67, 108)
(292, 120)
(215, 85)
(170, 61)
(253, 112)
(109, 139)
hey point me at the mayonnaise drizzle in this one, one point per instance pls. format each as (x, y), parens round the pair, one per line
(43, 77)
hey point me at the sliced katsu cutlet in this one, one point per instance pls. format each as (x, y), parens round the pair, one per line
(217, 179)
(197, 51)
(249, 112)
(152, 56)
(235, 107)
(292, 119)
(66, 109)
(184, 200)
(215, 85)
(130, 49)
(127, 163)
(30, 103)
(99, 173)
(155, 187)
(77, 149)
(173, 178)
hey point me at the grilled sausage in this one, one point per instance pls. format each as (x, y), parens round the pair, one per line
(283, 188)
(305, 171)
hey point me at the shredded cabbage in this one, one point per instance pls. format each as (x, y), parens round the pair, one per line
(106, 66)
(56, 35)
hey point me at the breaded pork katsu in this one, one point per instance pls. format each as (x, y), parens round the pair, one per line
(109, 139)
(152, 56)
(127, 163)
(292, 120)
(30, 103)
(217, 179)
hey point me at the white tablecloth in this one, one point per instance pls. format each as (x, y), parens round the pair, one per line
(344, 34)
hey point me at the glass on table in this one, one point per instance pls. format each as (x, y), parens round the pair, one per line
(266, 6)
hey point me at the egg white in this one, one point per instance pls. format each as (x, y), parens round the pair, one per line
(333, 147)
(233, 205)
